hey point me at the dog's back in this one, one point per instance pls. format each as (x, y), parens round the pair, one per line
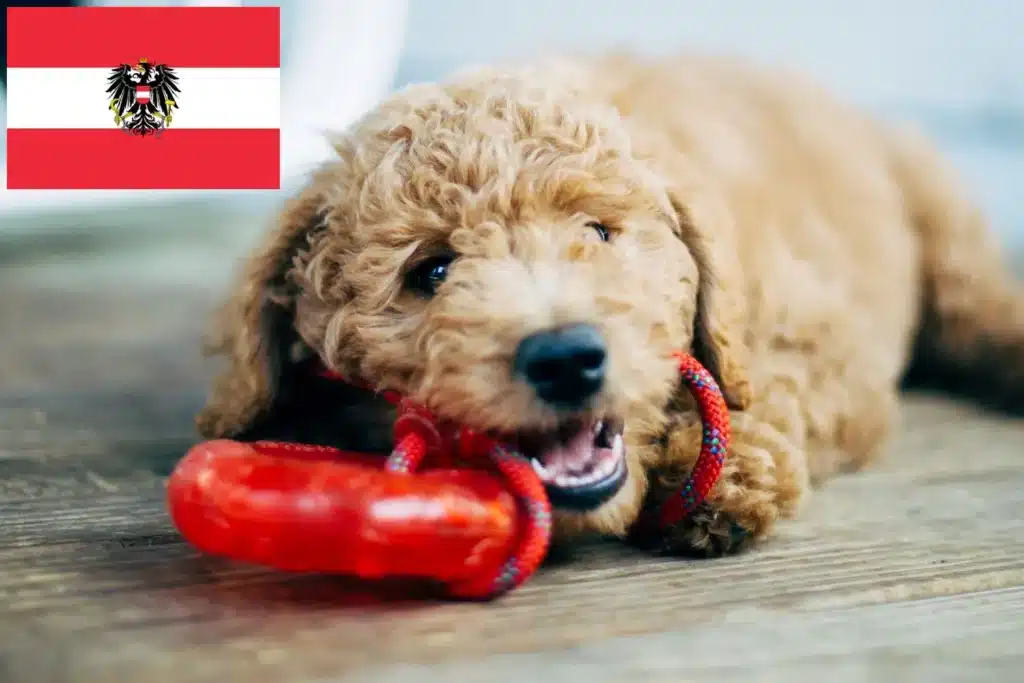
(836, 208)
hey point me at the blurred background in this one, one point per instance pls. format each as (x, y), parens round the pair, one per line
(953, 66)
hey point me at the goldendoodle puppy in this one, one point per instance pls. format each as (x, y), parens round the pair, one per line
(520, 250)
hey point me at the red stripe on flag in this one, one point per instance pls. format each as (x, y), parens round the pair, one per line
(183, 37)
(186, 159)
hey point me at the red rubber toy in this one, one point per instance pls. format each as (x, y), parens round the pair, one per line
(477, 520)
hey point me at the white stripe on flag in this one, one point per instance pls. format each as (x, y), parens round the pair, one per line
(209, 98)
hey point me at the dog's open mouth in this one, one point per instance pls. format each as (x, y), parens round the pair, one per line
(582, 463)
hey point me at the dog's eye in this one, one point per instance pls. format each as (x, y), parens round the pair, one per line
(428, 276)
(601, 230)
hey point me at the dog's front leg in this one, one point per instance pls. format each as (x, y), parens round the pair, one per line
(764, 478)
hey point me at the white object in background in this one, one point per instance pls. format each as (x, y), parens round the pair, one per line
(338, 61)
(340, 64)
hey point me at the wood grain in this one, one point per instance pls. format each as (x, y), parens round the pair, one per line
(913, 570)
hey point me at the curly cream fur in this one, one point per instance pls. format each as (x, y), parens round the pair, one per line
(797, 247)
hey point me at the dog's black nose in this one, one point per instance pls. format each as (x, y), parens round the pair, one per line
(565, 365)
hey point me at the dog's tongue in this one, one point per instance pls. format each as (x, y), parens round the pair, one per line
(571, 457)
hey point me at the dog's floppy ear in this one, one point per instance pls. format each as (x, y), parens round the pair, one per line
(255, 330)
(720, 321)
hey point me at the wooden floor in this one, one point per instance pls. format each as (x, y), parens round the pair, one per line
(913, 571)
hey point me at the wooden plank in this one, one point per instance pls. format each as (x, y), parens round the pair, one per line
(90, 569)
(973, 637)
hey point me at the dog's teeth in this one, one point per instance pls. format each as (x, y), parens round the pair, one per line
(598, 426)
(618, 447)
(539, 468)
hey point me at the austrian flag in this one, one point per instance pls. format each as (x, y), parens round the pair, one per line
(121, 98)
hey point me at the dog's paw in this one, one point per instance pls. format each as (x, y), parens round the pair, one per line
(763, 479)
(706, 533)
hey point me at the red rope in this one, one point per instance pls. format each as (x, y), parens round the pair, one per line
(419, 437)
(716, 432)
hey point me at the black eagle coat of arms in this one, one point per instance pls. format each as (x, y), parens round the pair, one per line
(143, 97)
